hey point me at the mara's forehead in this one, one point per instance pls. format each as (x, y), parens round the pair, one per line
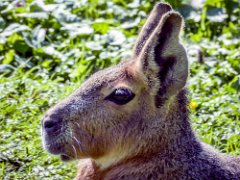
(104, 77)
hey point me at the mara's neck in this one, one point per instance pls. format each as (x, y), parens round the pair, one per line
(172, 132)
(178, 135)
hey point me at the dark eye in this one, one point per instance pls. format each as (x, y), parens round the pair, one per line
(121, 96)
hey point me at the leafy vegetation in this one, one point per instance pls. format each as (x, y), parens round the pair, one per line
(47, 48)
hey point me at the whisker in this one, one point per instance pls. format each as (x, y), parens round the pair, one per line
(72, 143)
(75, 151)
(79, 144)
(76, 139)
(78, 125)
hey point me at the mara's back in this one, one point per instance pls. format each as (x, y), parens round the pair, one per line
(131, 121)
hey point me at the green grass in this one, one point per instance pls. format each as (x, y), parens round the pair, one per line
(43, 60)
(23, 101)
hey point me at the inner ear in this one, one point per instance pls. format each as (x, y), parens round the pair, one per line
(164, 57)
(165, 39)
(165, 75)
(163, 42)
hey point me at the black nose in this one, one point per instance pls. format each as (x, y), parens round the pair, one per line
(52, 124)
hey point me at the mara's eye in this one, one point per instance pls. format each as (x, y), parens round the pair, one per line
(121, 96)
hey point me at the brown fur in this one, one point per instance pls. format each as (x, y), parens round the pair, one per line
(150, 137)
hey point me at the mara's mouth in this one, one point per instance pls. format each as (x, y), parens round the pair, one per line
(60, 150)
(54, 144)
(61, 147)
(65, 157)
(54, 148)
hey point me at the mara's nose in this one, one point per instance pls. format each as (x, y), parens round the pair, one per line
(52, 124)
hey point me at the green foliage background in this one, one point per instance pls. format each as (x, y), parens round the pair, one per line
(47, 48)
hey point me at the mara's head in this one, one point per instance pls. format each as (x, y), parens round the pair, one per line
(118, 109)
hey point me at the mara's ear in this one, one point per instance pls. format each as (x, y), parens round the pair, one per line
(156, 14)
(164, 57)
